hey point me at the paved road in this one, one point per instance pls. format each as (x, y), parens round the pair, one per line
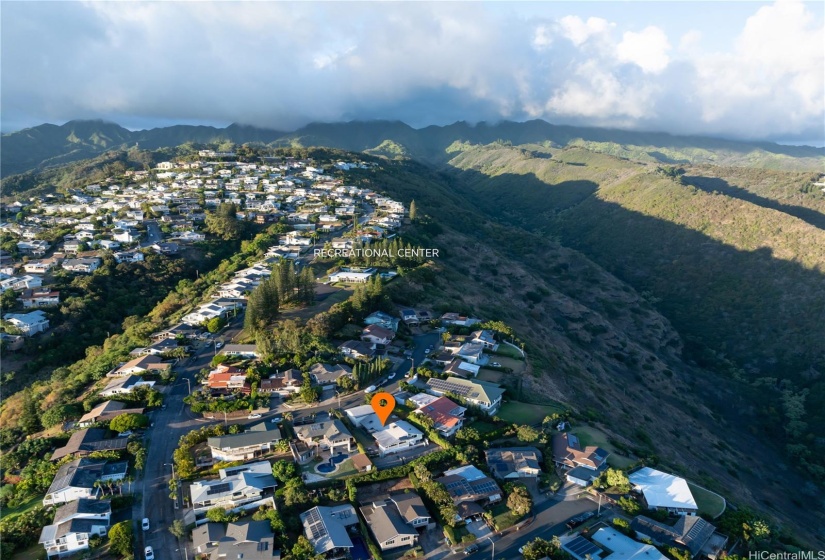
(153, 235)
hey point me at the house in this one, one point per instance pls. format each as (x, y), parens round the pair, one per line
(470, 489)
(377, 335)
(326, 374)
(622, 547)
(458, 320)
(387, 525)
(409, 316)
(282, 384)
(485, 338)
(486, 396)
(359, 414)
(106, 411)
(326, 529)
(173, 332)
(39, 298)
(514, 462)
(84, 265)
(74, 523)
(19, 283)
(247, 540)
(690, 532)
(582, 465)
(350, 277)
(396, 436)
(459, 367)
(329, 435)
(84, 442)
(382, 320)
(165, 248)
(224, 379)
(235, 488)
(156, 348)
(357, 349)
(11, 342)
(411, 508)
(143, 364)
(664, 491)
(361, 463)
(256, 441)
(76, 479)
(125, 235)
(241, 350)
(124, 385)
(30, 323)
(39, 267)
(447, 416)
(473, 352)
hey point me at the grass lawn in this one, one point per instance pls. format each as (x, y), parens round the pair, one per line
(483, 427)
(591, 436)
(709, 503)
(490, 375)
(503, 518)
(523, 413)
(509, 351)
(33, 552)
(9, 512)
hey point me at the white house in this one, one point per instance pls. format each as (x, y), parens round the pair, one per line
(30, 323)
(236, 487)
(76, 479)
(664, 491)
(74, 523)
(376, 334)
(486, 396)
(256, 441)
(85, 265)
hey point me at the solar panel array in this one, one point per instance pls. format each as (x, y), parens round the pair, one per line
(486, 486)
(315, 524)
(218, 489)
(582, 547)
(446, 385)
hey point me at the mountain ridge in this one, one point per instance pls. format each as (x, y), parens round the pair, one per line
(49, 144)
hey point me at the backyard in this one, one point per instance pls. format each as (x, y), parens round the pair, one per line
(709, 503)
(516, 412)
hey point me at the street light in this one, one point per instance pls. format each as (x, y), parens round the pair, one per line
(188, 384)
(493, 554)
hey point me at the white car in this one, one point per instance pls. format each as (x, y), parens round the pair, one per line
(521, 550)
(218, 344)
(495, 364)
(145, 524)
(148, 553)
(253, 416)
(127, 433)
(391, 376)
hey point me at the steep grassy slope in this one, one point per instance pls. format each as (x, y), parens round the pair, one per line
(598, 345)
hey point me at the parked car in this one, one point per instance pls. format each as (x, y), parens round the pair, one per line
(127, 433)
(495, 364)
(145, 524)
(470, 549)
(276, 419)
(521, 550)
(148, 553)
(218, 344)
(391, 376)
(370, 389)
(253, 416)
(579, 519)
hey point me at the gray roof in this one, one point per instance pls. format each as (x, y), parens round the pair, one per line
(506, 461)
(330, 430)
(208, 533)
(256, 435)
(88, 440)
(82, 506)
(80, 473)
(248, 540)
(385, 522)
(410, 506)
(689, 531)
(326, 527)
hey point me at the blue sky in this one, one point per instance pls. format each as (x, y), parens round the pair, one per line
(737, 69)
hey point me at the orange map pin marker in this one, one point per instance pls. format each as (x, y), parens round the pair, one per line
(383, 405)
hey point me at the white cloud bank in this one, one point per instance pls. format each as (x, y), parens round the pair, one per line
(283, 65)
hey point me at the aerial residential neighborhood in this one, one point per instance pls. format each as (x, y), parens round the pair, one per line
(250, 399)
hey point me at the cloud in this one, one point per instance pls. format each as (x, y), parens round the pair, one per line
(282, 65)
(647, 49)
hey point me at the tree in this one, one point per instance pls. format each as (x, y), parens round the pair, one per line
(527, 433)
(178, 529)
(215, 324)
(295, 493)
(223, 222)
(629, 505)
(303, 550)
(519, 500)
(308, 393)
(413, 211)
(615, 478)
(59, 414)
(129, 421)
(8, 299)
(220, 515)
(540, 548)
(262, 305)
(284, 470)
(120, 538)
(30, 414)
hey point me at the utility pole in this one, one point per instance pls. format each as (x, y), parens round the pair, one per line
(188, 384)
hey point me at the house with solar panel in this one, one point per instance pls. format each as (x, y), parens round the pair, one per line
(256, 441)
(514, 462)
(582, 465)
(487, 396)
(471, 490)
(690, 533)
(327, 529)
(242, 487)
(329, 436)
(74, 523)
